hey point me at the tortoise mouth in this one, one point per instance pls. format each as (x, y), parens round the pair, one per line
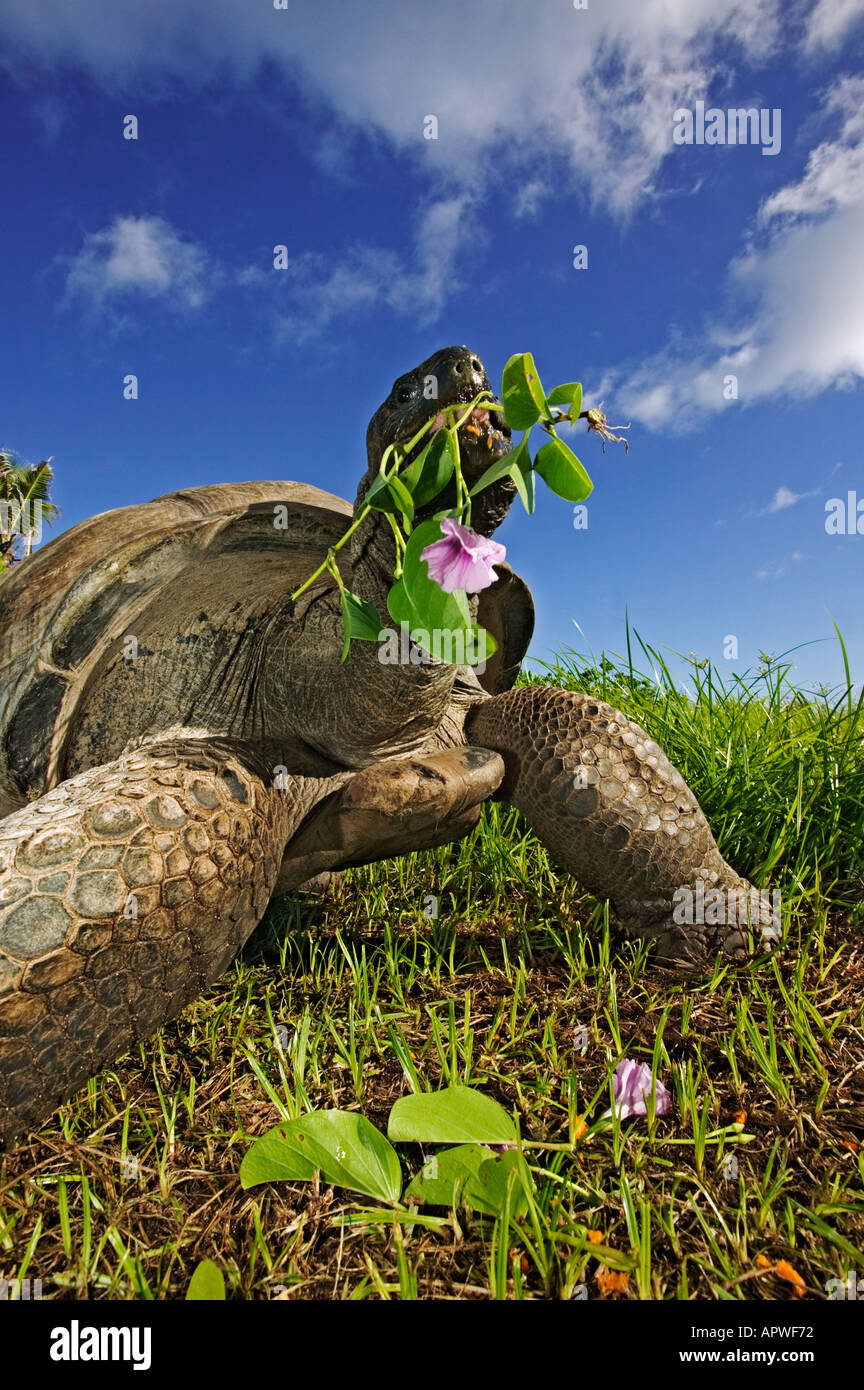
(483, 438)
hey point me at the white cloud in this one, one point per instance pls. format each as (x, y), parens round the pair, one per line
(528, 97)
(796, 295)
(519, 91)
(368, 277)
(830, 22)
(139, 256)
(146, 257)
(777, 571)
(784, 497)
(834, 177)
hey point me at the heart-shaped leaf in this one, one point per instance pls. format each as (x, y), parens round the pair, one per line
(560, 469)
(207, 1284)
(360, 620)
(521, 392)
(440, 623)
(471, 1175)
(344, 1147)
(430, 473)
(462, 645)
(487, 1192)
(444, 1176)
(456, 1115)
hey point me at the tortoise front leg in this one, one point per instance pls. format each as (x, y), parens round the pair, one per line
(123, 893)
(608, 804)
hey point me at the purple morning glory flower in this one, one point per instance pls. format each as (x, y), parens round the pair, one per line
(631, 1086)
(462, 559)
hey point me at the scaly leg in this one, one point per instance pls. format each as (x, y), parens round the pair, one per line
(611, 808)
(123, 893)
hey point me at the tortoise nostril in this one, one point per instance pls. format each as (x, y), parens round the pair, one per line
(476, 365)
(457, 366)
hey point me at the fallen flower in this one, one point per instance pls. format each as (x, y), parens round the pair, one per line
(609, 1282)
(462, 559)
(632, 1087)
(784, 1270)
(791, 1275)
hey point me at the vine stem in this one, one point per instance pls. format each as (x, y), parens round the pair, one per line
(402, 451)
(328, 562)
(400, 545)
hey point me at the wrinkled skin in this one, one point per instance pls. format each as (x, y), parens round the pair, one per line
(156, 796)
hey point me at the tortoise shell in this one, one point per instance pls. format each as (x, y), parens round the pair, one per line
(63, 610)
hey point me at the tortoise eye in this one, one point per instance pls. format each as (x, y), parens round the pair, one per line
(404, 394)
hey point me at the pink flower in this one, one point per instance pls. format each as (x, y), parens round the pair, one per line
(462, 559)
(631, 1086)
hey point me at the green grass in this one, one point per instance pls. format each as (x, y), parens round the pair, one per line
(355, 999)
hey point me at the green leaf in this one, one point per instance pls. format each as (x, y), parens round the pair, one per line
(360, 620)
(522, 473)
(379, 496)
(444, 1177)
(440, 623)
(433, 609)
(568, 394)
(489, 1190)
(560, 469)
(456, 1115)
(415, 572)
(521, 392)
(390, 495)
(399, 604)
(498, 470)
(471, 1175)
(430, 473)
(462, 644)
(344, 1147)
(403, 497)
(207, 1284)
(525, 487)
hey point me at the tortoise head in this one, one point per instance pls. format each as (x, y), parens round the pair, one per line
(450, 376)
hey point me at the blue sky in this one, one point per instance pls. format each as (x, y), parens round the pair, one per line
(304, 127)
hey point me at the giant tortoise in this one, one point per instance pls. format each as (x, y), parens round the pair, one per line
(179, 740)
